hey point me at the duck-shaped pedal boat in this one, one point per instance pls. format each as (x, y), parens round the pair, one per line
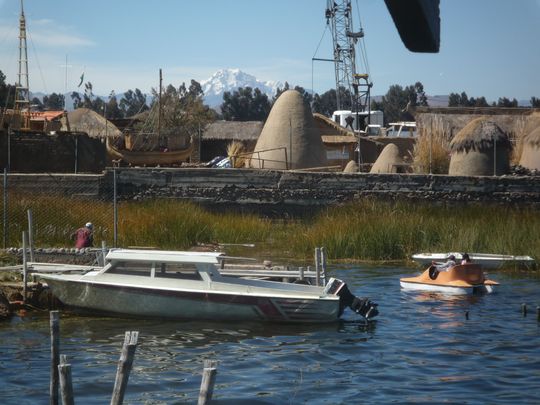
(459, 279)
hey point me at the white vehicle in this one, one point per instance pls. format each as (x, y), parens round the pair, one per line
(403, 129)
(189, 285)
(375, 117)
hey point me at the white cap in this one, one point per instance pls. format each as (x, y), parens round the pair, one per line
(89, 225)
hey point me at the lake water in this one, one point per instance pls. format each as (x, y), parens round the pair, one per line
(421, 349)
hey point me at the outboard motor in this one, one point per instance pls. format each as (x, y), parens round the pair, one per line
(362, 306)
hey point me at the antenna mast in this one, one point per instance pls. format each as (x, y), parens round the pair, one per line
(339, 15)
(22, 92)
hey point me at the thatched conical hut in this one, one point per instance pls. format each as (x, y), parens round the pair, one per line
(352, 167)
(90, 122)
(530, 155)
(389, 161)
(481, 148)
(290, 138)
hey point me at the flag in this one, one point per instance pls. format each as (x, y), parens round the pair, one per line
(82, 80)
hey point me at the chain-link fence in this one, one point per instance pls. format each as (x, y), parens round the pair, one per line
(53, 206)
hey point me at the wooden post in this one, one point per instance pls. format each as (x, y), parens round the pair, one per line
(124, 367)
(301, 271)
(25, 267)
(55, 356)
(207, 382)
(66, 385)
(524, 309)
(31, 235)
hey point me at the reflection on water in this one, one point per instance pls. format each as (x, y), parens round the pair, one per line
(420, 349)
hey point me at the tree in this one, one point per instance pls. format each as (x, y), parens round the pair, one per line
(245, 104)
(462, 100)
(77, 102)
(54, 101)
(133, 102)
(535, 102)
(182, 110)
(113, 111)
(36, 104)
(325, 103)
(505, 102)
(7, 93)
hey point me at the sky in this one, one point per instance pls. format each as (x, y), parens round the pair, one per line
(488, 48)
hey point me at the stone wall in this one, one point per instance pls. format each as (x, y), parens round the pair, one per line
(287, 191)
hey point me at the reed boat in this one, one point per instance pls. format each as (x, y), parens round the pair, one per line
(486, 260)
(189, 285)
(459, 279)
(149, 158)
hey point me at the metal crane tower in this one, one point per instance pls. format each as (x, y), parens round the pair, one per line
(22, 90)
(352, 88)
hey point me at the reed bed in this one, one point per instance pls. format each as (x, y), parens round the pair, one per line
(369, 230)
(431, 153)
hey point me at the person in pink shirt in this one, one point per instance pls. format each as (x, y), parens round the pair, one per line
(84, 237)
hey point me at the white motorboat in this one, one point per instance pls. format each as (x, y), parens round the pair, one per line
(486, 260)
(189, 285)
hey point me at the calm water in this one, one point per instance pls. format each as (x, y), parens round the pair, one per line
(420, 350)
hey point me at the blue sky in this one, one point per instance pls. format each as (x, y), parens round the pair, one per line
(488, 47)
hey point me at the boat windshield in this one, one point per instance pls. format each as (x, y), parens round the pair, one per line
(186, 271)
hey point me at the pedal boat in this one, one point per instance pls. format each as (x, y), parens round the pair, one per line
(460, 279)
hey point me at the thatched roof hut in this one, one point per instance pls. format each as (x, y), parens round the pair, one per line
(389, 161)
(290, 138)
(530, 155)
(481, 148)
(89, 122)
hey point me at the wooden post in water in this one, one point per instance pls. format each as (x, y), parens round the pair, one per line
(66, 385)
(124, 367)
(55, 355)
(524, 309)
(207, 382)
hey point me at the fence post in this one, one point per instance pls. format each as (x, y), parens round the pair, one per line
(76, 153)
(31, 235)
(5, 208)
(124, 367)
(25, 266)
(317, 266)
(323, 265)
(207, 382)
(115, 210)
(66, 385)
(55, 355)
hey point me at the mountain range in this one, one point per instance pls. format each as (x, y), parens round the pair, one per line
(232, 79)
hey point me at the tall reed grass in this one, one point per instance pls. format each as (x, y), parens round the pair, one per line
(431, 153)
(367, 230)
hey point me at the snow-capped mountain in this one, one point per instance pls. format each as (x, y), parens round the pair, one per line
(231, 79)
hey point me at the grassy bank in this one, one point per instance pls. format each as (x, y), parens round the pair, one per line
(368, 230)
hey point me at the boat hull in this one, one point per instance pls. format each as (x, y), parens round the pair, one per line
(150, 158)
(177, 304)
(459, 279)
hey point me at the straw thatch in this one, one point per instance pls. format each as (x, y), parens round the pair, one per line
(389, 161)
(352, 167)
(233, 130)
(530, 155)
(290, 137)
(89, 122)
(480, 135)
(532, 123)
(481, 148)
